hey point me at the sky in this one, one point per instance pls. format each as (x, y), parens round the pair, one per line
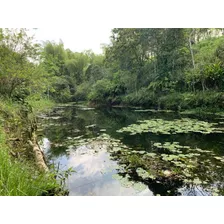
(76, 39)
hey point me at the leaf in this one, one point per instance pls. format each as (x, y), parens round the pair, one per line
(167, 127)
(139, 186)
(197, 181)
(117, 177)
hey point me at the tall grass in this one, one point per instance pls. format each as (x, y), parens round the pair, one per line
(19, 178)
(40, 105)
(8, 107)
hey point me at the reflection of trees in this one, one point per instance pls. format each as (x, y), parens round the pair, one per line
(56, 152)
(203, 177)
(113, 119)
(165, 187)
(195, 190)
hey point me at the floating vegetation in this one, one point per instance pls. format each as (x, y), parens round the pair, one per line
(86, 108)
(83, 107)
(176, 163)
(144, 174)
(160, 126)
(173, 147)
(154, 111)
(126, 182)
(166, 163)
(91, 126)
(167, 173)
(55, 117)
(117, 176)
(138, 186)
(146, 110)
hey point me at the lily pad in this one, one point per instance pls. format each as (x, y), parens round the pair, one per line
(159, 126)
(117, 177)
(139, 186)
(197, 181)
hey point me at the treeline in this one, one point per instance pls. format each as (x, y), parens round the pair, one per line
(72, 74)
(162, 68)
(168, 68)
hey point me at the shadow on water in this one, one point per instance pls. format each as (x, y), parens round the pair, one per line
(66, 123)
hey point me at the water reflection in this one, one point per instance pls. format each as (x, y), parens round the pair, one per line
(94, 174)
(94, 170)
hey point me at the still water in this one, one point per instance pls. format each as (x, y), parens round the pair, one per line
(96, 168)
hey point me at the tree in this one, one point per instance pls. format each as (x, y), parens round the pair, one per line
(18, 55)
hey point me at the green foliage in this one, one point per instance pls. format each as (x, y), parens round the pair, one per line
(71, 72)
(135, 161)
(40, 104)
(17, 178)
(155, 65)
(159, 126)
(102, 91)
(143, 67)
(200, 99)
(82, 91)
(171, 101)
(144, 97)
(17, 72)
(169, 162)
(159, 68)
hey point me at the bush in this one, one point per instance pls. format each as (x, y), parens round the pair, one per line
(82, 91)
(62, 95)
(172, 101)
(144, 97)
(209, 99)
(101, 92)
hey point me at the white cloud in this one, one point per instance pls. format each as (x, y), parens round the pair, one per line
(76, 38)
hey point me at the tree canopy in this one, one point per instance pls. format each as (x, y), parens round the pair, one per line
(139, 67)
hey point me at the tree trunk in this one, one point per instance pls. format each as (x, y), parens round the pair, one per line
(136, 92)
(203, 85)
(192, 56)
(191, 50)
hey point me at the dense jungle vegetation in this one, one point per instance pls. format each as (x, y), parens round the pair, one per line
(159, 68)
(177, 69)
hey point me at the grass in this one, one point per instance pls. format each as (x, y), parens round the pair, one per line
(18, 178)
(40, 105)
(8, 107)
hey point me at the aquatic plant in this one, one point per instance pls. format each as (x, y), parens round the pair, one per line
(176, 163)
(177, 126)
(166, 163)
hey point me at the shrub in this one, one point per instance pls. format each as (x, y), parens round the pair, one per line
(82, 91)
(101, 92)
(144, 97)
(208, 99)
(172, 101)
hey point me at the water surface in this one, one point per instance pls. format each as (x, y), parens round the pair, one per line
(95, 169)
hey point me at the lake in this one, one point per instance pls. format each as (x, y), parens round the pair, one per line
(129, 151)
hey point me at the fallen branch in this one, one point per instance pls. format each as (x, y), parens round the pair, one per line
(39, 155)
